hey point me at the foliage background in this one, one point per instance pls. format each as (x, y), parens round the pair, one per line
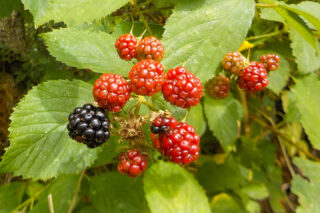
(260, 152)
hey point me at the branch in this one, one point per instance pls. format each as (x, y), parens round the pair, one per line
(74, 199)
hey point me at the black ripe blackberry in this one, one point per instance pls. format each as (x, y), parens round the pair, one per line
(89, 125)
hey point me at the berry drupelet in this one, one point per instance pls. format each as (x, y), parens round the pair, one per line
(132, 163)
(163, 124)
(182, 88)
(253, 78)
(218, 87)
(233, 62)
(270, 61)
(89, 125)
(126, 46)
(111, 91)
(147, 77)
(150, 48)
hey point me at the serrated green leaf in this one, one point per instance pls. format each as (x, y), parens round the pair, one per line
(271, 15)
(313, 19)
(229, 111)
(224, 203)
(86, 50)
(310, 7)
(37, 8)
(11, 196)
(71, 12)
(199, 33)
(297, 24)
(117, 193)
(289, 104)
(307, 58)
(62, 190)
(170, 188)
(306, 190)
(40, 146)
(306, 92)
(196, 119)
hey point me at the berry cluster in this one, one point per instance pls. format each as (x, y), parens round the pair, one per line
(111, 92)
(89, 125)
(251, 77)
(177, 141)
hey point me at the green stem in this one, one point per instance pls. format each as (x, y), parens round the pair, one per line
(31, 199)
(265, 35)
(74, 199)
(263, 5)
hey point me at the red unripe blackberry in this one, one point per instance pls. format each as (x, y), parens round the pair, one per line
(126, 46)
(147, 77)
(218, 87)
(181, 145)
(253, 78)
(150, 48)
(233, 62)
(163, 124)
(132, 163)
(111, 91)
(270, 61)
(89, 125)
(182, 88)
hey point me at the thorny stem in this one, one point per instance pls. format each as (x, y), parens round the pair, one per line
(74, 199)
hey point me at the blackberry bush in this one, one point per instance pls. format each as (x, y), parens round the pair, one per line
(148, 111)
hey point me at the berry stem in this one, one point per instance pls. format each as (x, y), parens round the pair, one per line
(243, 99)
(74, 199)
(266, 35)
(136, 7)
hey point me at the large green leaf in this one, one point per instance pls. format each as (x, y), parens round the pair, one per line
(170, 188)
(312, 8)
(224, 203)
(117, 193)
(62, 190)
(295, 21)
(307, 191)
(307, 96)
(199, 33)
(40, 146)
(86, 50)
(196, 119)
(71, 12)
(220, 177)
(11, 196)
(223, 116)
(307, 58)
(304, 13)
